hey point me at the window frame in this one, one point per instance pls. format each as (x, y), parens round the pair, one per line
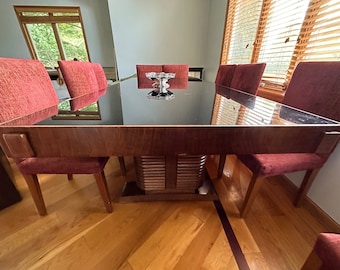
(50, 19)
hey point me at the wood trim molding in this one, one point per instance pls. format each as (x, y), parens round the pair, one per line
(311, 206)
(275, 95)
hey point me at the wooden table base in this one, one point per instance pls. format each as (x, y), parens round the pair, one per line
(131, 193)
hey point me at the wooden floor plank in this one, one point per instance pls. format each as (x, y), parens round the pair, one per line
(78, 233)
(200, 246)
(220, 255)
(166, 245)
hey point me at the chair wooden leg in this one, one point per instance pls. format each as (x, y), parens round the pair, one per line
(104, 191)
(305, 185)
(313, 262)
(34, 187)
(254, 187)
(70, 177)
(221, 165)
(122, 165)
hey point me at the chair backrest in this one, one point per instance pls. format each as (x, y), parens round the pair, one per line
(315, 87)
(225, 74)
(142, 80)
(179, 82)
(247, 77)
(81, 82)
(182, 76)
(101, 78)
(26, 90)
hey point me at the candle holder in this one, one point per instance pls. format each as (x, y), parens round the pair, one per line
(160, 85)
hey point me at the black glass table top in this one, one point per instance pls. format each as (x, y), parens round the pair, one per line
(202, 103)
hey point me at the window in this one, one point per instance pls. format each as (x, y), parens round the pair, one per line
(52, 34)
(281, 33)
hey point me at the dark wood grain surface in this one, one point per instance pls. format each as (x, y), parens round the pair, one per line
(68, 141)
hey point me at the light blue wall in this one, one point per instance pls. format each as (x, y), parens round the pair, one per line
(157, 32)
(326, 187)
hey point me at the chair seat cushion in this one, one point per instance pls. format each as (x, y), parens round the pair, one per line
(86, 165)
(275, 164)
(327, 247)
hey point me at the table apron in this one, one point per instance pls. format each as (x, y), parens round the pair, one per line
(73, 141)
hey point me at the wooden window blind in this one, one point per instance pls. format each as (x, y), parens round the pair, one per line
(288, 31)
(280, 34)
(240, 30)
(320, 33)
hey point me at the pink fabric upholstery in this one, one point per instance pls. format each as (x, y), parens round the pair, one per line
(275, 164)
(179, 82)
(34, 117)
(315, 87)
(181, 79)
(327, 247)
(101, 78)
(26, 88)
(143, 81)
(225, 74)
(81, 83)
(61, 165)
(247, 77)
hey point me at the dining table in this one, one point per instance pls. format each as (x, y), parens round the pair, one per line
(170, 138)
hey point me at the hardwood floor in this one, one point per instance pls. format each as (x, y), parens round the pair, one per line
(77, 232)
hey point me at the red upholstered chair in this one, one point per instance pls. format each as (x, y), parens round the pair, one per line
(225, 74)
(142, 80)
(81, 82)
(247, 77)
(86, 82)
(101, 78)
(25, 88)
(182, 74)
(102, 87)
(325, 254)
(244, 77)
(23, 83)
(314, 87)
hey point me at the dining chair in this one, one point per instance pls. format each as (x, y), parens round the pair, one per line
(26, 87)
(314, 87)
(225, 74)
(101, 78)
(243, 77)
(21, 89)
(81, 82)
(142, 80)
(325, 253)
(247, 77)
(102, 89)
(181, 78)
(86, 82)
(179, 82)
